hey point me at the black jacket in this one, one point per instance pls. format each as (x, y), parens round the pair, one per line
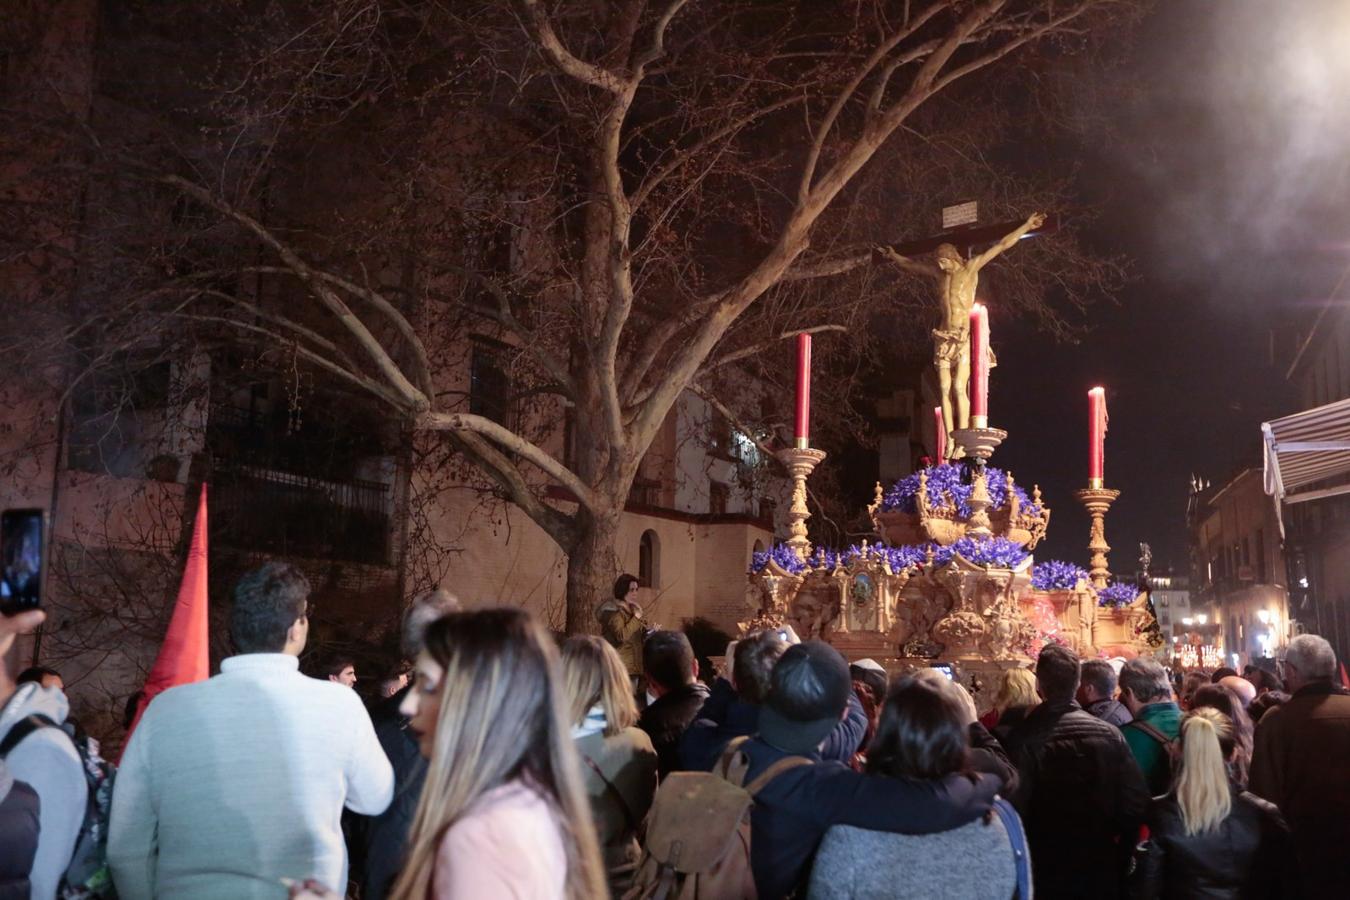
(1008, 720)
(1112, 712)
(666, 719)
(18, 835)
(1250, 856)
(792, 813)
(988, 756)
(378, 856)
(1082, 799)
(726, 716)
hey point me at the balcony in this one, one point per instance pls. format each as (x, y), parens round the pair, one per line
(284, 514)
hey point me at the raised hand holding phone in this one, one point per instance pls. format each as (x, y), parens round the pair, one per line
(20, 560)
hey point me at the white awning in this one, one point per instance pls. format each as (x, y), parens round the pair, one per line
(1304, 449)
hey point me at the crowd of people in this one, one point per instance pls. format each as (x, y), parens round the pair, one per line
(516, 764)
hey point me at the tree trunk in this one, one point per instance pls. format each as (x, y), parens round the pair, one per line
(592, 567)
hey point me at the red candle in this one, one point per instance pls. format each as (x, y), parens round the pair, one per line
(802, 432)
(1097, 437)
(940, 429)
(979, 366)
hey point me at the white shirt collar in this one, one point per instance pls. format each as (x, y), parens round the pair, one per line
(279, 662)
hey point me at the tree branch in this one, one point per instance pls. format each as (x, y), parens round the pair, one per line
(841, 99)
(414, 397)
(560, 56)
(756, 349)
(560, 526)
(827, 267)
(422, 366)
(514, 443)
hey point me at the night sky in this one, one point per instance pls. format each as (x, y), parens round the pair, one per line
(1226, 185)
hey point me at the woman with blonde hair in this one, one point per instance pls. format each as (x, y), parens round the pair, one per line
(1016, 696)
(1208, 838)
(619, 762)
(503, 812)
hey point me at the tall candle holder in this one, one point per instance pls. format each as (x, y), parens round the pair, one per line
(1097, 500)
(979, 444)
(800, 463)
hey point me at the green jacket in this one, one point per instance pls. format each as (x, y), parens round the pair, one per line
(625, 633)
(1152, 755)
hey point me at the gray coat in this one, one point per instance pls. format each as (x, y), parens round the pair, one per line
(973, 862)
(621, 792)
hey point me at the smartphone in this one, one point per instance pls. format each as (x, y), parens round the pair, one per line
(20, 560)
(946, 669)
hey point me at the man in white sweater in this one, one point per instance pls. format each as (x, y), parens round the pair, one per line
(232, 784)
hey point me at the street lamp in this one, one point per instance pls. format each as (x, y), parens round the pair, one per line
(1264, 616)
(1202, 618)
(1188, 621)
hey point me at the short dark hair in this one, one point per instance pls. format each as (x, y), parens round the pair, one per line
(1266, 680)
(622, 584)
(35, 674)
(336, 664)
(922, 733)
(267, 602)
(667, 658)
(753, 664)
(1057, 672)
(1146, 680)
(1098, 674)
(1221, 673)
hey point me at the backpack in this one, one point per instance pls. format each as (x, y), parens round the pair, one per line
(1171, 745)
(1017, 838)
(698, 831)
(87, 875)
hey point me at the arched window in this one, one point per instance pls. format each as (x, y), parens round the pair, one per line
(649, 560)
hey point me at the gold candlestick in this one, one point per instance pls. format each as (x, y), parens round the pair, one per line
(1097, 501)
(800, 462)
(979, 444)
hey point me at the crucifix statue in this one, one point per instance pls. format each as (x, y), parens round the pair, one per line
(957, 279)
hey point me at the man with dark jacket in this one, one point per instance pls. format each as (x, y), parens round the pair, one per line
(1097, 693)
(672, 679)
(1082, 796)
(378, 841)
(793, 810)
(732, 709)
(1299, 764)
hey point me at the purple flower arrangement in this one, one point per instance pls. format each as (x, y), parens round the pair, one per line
(1055, 575)
(995, 553)
(949, 487)
(1117, 595)
(782, 554)
(998, 552)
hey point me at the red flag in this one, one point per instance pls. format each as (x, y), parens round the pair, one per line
(183, 656)
(1345, 679)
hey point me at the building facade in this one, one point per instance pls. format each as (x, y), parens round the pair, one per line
(1240, 598)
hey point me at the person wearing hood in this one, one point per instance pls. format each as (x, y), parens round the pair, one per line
(46, 759)
(1097, 693)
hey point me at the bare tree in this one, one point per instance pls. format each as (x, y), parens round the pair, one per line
(638, 199)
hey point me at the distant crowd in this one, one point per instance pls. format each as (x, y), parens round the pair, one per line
(515, 764)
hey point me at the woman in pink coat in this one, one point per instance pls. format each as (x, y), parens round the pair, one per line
(503, 813)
